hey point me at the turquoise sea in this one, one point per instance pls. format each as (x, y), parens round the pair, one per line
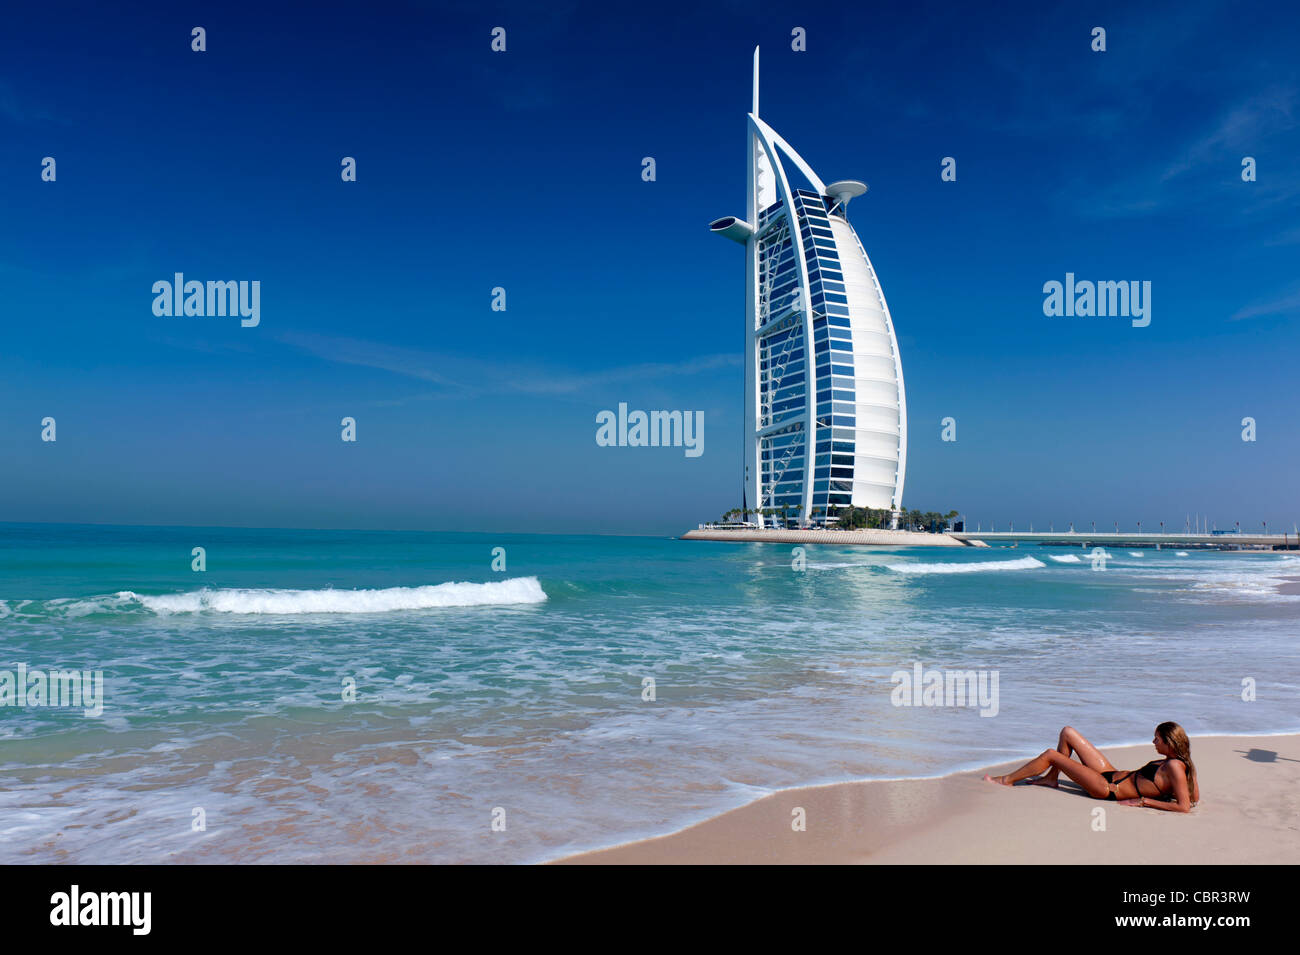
(521, 694)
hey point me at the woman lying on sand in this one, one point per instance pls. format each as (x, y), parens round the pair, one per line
(1168, 783)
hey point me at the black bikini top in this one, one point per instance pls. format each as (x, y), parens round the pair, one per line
(1149, 770)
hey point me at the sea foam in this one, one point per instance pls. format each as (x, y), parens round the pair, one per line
(517, 590)
(1024, 563)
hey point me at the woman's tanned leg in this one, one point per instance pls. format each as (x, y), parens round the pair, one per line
(1071, 741)
(1090, 779)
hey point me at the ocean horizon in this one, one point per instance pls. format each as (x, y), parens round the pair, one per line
(587, 691)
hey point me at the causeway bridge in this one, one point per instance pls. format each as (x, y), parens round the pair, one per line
(1154, 540)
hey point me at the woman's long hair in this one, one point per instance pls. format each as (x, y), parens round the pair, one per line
(1175, 738)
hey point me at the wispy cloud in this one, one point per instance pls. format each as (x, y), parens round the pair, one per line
(461, 375)
(407, 362)
(1042, 98)
(1207, 166)
(1286, 237)
(16, 110)
(1282, 306)
(1240, 131)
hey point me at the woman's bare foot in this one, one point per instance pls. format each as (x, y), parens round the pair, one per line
(1051, 781)
(1000, 780)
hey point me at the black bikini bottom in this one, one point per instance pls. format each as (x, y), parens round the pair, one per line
(1108, 776)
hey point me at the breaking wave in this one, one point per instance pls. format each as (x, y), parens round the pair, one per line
(968, 567)
(517, 590)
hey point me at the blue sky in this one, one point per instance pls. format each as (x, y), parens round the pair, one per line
(522, 170)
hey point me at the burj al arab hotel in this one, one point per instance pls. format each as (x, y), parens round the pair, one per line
(825, 411)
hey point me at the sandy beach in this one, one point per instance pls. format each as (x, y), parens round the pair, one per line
(1249, 813)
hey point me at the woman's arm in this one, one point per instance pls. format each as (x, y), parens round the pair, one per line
(1146, 803)
(1182, 801)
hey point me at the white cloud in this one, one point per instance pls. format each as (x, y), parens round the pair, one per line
(460, 374)
(1281, 306)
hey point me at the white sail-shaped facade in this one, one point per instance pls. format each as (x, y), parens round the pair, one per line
(825, 406)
